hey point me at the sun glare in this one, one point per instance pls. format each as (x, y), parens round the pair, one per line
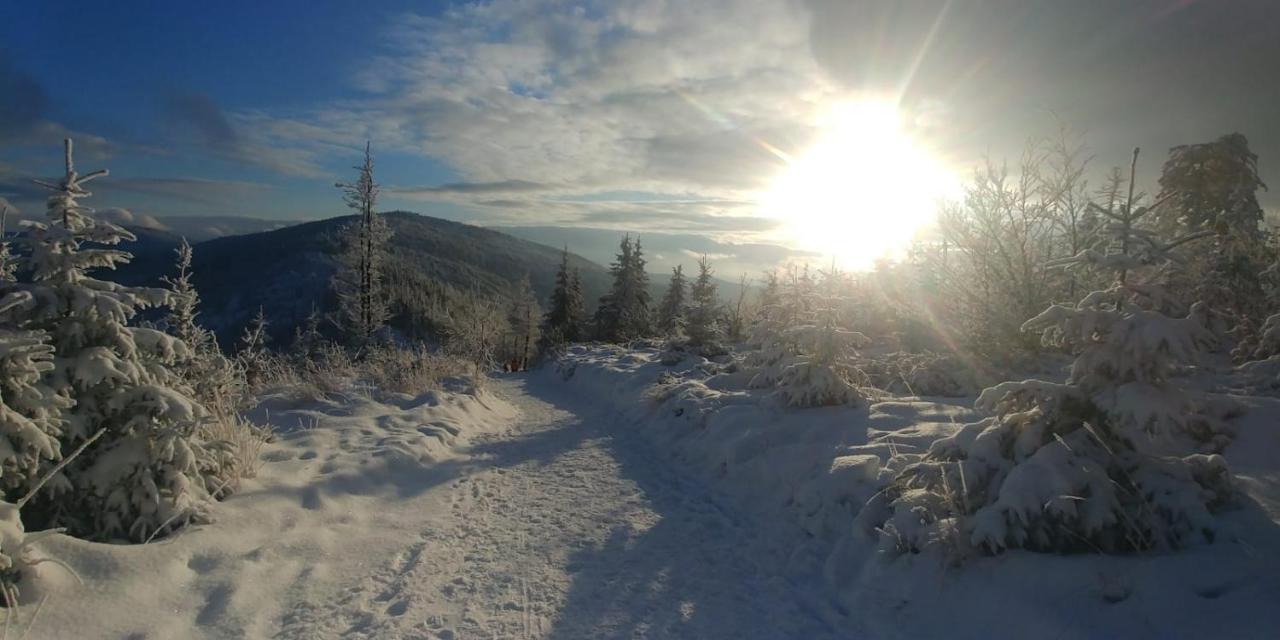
(863, 190)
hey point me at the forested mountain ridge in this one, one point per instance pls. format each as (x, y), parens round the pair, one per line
(286, 271)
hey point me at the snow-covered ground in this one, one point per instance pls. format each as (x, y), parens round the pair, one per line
(815, 468)
(346, 494)
(617, 497)
(521, 513)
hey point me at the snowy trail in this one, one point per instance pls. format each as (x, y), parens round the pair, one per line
(561, 529)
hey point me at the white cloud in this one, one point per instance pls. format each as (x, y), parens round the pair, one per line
(664, 97)
(533, 100)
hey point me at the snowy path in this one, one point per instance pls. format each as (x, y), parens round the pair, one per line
(559, 529)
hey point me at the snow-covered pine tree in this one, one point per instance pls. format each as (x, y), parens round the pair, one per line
(1083, 465)
(576, 328)
(359, 283)
(703, 324)
(523, 317)
(1213, 187)
(563, 321)
(806, 350)
(671, 311)
(181, 319)
(624, 313)
(150, 470)
(31, 410)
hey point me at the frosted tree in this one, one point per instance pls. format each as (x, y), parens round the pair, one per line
(564, 320)
(806, 350)
(181, 318)
(1213, 187)
(307, 338)
(476, 325)
(150, 470)
(359, 283)
(737, 313)
(624, 312)
(522, 317)
(1094, 463)
(251, 353)
(703, 325)
(214, 379)
(671, 312)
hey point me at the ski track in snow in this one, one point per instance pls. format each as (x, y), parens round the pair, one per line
(563, 528)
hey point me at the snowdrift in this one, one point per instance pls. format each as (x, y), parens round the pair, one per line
(812, 470)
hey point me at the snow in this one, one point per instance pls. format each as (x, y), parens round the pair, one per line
(816, 468)
(345, 486)
(614, 496)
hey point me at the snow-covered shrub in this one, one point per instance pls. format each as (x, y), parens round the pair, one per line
(1267, 342)
(150, 470)
(921, 374)
(1085, 465)
(411, 370)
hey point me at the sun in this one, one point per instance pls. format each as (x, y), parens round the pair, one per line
(863, 190)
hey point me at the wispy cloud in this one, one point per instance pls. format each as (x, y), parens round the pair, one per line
(532, 102)
(18, 186)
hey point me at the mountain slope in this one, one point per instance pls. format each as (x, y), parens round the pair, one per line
(286, 271)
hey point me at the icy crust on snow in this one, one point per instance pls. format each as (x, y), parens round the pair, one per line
(813, 470)
(345, 480)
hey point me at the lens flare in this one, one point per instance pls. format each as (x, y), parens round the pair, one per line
(863, 190)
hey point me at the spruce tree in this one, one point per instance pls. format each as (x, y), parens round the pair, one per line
(148, 469)
(213, 378)
(671, 313)
(307, 338)
(703, 327)
(1213, 187)
(252, 352)
(624, 312)
(181, 319)
(563, 321)
(638, 318)
(359, 283)
(575, 329)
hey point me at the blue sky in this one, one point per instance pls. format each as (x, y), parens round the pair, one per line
(659, 118)
(156, 80)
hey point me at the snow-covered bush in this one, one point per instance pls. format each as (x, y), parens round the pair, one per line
(1088, 464)
(151, 470)
(412, 370)
(921, 374)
